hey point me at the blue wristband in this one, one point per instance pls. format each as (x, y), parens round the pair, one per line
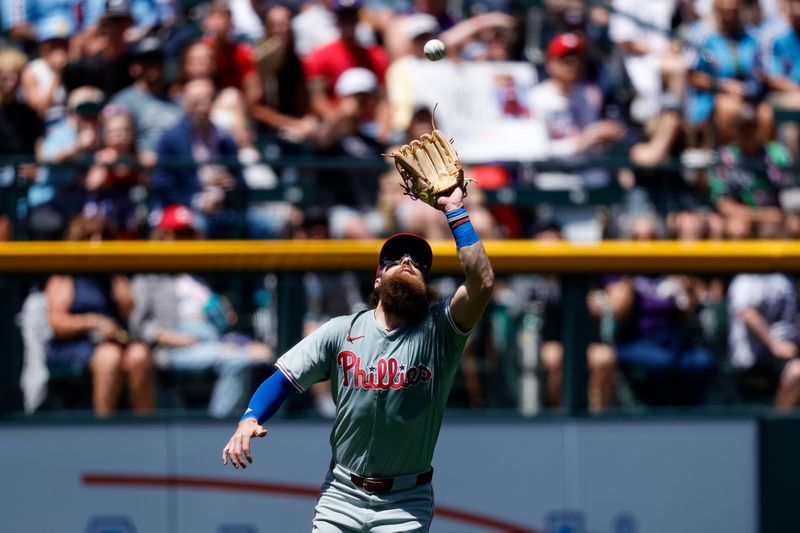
(268, 397)
(462, 229)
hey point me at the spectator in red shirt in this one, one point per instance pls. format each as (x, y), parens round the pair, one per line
(324, 65)
(234, 60)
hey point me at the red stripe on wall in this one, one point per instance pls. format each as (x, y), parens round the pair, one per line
(127, 480)
(199, 483)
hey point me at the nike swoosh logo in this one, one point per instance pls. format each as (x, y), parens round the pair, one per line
(351, 339)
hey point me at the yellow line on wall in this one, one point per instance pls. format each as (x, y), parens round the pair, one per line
(506, 256)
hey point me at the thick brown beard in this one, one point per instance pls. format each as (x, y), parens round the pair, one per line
(404, 296)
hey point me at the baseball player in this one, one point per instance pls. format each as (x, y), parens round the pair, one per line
(391, 369)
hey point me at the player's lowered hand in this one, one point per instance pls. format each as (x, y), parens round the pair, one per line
(238, 447)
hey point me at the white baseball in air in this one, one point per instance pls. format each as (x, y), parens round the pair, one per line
(435, 49)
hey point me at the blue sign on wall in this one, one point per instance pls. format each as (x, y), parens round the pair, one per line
(624, 523)
(565, 522)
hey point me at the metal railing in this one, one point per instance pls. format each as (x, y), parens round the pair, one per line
(577, 266)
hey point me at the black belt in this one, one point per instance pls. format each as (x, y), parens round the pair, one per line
(377, 485)
(384, 485)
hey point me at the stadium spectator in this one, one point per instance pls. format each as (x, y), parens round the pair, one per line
(88, 314)
(484, 37)
(314, 25)
(351, 193)
(22, 19)
(722, 75)
(419, 28)
(106, 59)
(197, 62)
(149, 16)
(206, 189)
(571, 110)
(234, 60)
(440, 9)
(187, 324)
(42, 86)
(281, 119)
(20, 128)
(681, 192)
(744, 196)
(114, 174)
(229, 113)
(229, 110)
(779, 42)
(246, 21)
(763, 336)
(538, 298)
(650, 61)
(324, 65)
(57, 194)
(147, 100)
(283, 110)
(655, 346)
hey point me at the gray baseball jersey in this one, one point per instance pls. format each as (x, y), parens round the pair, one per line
(390, 387)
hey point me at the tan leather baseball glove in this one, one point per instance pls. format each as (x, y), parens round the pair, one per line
(429, 167)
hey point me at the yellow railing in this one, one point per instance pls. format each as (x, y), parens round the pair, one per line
(506, 256)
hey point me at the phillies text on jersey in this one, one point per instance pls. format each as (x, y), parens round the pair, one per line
(386, 373)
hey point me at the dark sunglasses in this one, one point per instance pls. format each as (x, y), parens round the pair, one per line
(389, 263)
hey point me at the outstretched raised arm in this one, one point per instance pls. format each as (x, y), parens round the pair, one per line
(470, 299)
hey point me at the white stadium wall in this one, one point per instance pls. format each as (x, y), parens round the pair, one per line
(603, 476)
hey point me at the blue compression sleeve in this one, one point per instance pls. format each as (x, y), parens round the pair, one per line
(268, 397)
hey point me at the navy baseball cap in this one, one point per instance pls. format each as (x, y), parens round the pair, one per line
(401, 244)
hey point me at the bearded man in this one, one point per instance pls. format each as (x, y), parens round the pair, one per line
(391, 369)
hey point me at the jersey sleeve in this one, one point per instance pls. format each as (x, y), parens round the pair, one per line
(309, 361)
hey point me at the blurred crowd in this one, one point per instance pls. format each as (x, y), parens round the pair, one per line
(163, 119)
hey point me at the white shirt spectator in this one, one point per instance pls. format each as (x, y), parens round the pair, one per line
(629, 22)
(565, 116)
(245, 20)
(651, 27)
(312, 28)
(45, 77)
(773, 296)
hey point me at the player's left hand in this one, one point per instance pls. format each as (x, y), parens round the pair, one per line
(452, 201)
(238, 447)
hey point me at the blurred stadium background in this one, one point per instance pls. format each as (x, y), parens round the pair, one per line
(189, 187)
